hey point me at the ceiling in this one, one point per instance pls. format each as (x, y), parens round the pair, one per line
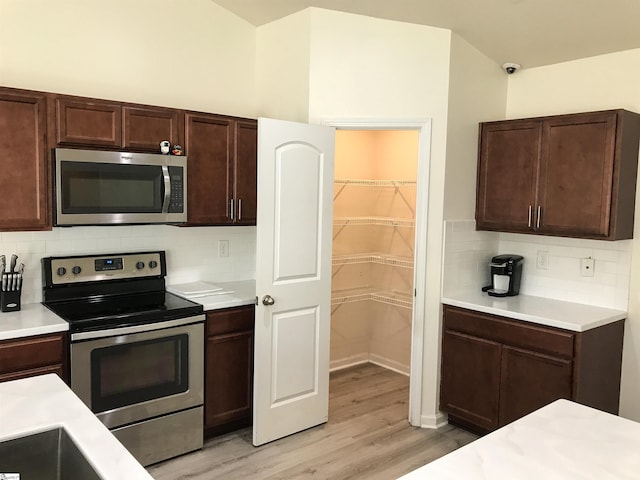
(529, 32)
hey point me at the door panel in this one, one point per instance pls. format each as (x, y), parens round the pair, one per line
(297, 212)
(576, 174)
(295, 365)
(293, 268)
(531, 380)
(470, 378)
(507, 175)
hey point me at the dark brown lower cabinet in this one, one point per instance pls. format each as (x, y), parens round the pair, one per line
(496, 370)
(31, 356)
(228, 400)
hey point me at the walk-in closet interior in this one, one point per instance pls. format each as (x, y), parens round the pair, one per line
(373, 247)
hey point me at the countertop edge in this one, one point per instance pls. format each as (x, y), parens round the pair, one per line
(605, 315)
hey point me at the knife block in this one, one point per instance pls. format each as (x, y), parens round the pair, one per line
(10, 300)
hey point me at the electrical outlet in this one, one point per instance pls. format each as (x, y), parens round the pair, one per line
(587, 266)
(542, 260)
(223, 248)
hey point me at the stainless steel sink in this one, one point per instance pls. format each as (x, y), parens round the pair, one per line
(49, 455)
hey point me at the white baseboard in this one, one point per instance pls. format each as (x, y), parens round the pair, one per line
(433, 421)
(351, 361)
(361, 358)
(389, 364)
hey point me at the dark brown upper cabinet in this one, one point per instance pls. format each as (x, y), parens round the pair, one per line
(145, 127)
(23, 183)
(86, 122)
(221, 175)
(566, 175)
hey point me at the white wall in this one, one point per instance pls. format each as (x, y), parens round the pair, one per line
(193, 54)
(596, 83)
(477, 93)
(282, 67)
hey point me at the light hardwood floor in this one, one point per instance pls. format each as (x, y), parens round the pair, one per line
(367, 437)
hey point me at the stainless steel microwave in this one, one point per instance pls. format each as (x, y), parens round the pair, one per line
(110, 188)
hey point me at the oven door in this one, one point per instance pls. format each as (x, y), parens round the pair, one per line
(140, 372)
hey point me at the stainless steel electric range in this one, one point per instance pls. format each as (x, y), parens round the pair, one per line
(137, 351)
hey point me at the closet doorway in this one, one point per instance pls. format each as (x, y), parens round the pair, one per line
(378, 214)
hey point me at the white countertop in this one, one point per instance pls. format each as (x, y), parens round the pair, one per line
(242, 293)
(576, 317)
(33, 319)
(37, 404)
(561, 441)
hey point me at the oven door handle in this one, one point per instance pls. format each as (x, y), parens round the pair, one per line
(146, 327)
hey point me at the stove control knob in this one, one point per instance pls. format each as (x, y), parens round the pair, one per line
(153, 264)
(61, 271)
(76, 270)
(140, 265)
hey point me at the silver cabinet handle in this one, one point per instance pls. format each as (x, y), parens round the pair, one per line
(530, 212)
(268, 300)
(239, 209)
(231, 208)
(538, 217)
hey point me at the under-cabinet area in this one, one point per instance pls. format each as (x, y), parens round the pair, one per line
(497, 369)
(373, 247)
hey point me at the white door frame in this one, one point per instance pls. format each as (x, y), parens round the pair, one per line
(423, 126)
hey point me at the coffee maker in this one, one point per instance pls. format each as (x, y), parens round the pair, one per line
(506, 273)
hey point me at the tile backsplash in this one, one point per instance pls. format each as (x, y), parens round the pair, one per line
(467, 253)
(192, 253)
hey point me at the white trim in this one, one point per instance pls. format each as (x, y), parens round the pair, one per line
(423, 125)
(434, 422)
(347, 362)
(389, 364)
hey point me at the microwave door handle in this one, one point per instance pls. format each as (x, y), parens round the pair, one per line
(167, 189)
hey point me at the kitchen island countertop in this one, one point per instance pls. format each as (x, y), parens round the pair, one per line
(563, 440)
(576, 317)
(41, 403)
(33, 319)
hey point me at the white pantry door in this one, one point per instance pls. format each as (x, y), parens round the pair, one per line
(293, 278)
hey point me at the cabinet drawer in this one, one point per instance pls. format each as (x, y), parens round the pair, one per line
(510, 332)
(230, 320)
(30, 353)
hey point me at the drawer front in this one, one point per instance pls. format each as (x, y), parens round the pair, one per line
(230, 320)
(31, 353)
(510, 332)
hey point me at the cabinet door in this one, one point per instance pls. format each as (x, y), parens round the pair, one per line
(25, 357)
(23, 183)
(507, 172)
(470, 384)
(209, 151)
(145, 128)
(228, 398)
(87, 122)
(531, 380)
(576, 174)
(228, 390)
(245, 173)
